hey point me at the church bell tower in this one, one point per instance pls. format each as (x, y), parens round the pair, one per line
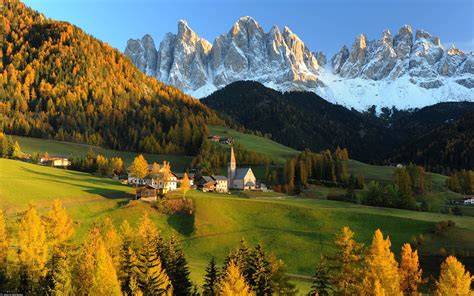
(231, 167)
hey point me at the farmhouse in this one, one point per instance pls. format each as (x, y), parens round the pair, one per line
(147, 193)
(469, 199)
(55, 160)
(240, 178)
(161, 183)
(213, 183)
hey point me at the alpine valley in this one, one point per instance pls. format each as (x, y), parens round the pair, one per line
(406, 70)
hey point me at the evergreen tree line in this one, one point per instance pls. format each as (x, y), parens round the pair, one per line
(308, 167)
(57, 82)
(357, 270)
(213, 156)
(10, 148)
(99, 164)
(461, 182)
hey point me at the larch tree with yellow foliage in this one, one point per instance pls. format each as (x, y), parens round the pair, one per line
(128, 258)
(347, 261)
(4, 243)
(152, 277)
(139, 167)
(60, 226)
(104, 278)
(97, 274)
(155, 168)
(60, 230)
(381, 267)
(409, 271)
(185, 184)
(32, 251)
(453, 279)
(113, 241)
(233, 283)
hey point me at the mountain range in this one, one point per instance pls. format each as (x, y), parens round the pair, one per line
(405, 70)
(438, 137)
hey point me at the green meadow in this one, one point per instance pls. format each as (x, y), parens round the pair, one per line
(278, 152)
(31, 145)
(296, 230)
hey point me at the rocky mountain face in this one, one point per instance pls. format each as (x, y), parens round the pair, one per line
(422, 58)
(405, 70)
(245, 52)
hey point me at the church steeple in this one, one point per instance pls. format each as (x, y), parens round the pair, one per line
(231, 167)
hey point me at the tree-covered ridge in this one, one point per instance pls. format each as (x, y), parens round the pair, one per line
(59, 82)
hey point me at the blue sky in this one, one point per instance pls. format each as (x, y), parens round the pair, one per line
(323, 25)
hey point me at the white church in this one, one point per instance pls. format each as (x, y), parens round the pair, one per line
(239, 178)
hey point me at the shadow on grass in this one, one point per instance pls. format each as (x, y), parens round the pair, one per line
(182, 223)
(90, 189)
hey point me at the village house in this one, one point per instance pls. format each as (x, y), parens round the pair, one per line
(163, 185)
(206, 184)
(469, 199)
(221, 184)
(147, 193)
(55, 160)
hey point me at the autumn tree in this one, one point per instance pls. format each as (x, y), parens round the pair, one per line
(112, 241)
(185, 185)
(152, 278)
(32, 251)
(155, 168)
(60, 282)
(381, 267)
(409, 271)
(139, 167)
(60, 227)
(128, 257)
(347, 262)
(233, 283)
(453, 278)
(117, 165)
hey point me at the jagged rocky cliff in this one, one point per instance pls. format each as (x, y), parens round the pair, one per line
(401, 70)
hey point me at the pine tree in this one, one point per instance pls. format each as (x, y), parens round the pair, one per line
(347, 259)
(381, 267)
(233, 283)
(152, 277)
(453, 279)
(185, 184)
(87, 261)
(261, 275)
(128, 257)
(241, 258)
(409, 270)
(32, 251)
(211, 279)
(4, 244)
(177, 269)
(321, 279)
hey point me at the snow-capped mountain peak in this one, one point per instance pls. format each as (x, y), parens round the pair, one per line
(403, 70)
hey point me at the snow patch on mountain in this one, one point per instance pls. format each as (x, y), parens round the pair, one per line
(405, 70)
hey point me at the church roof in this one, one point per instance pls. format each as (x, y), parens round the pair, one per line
(241, 172)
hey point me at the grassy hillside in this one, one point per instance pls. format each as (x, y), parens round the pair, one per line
(278, 152)
(30, 145)
(295, 229)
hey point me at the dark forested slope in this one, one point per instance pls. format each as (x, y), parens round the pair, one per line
(305, 120)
